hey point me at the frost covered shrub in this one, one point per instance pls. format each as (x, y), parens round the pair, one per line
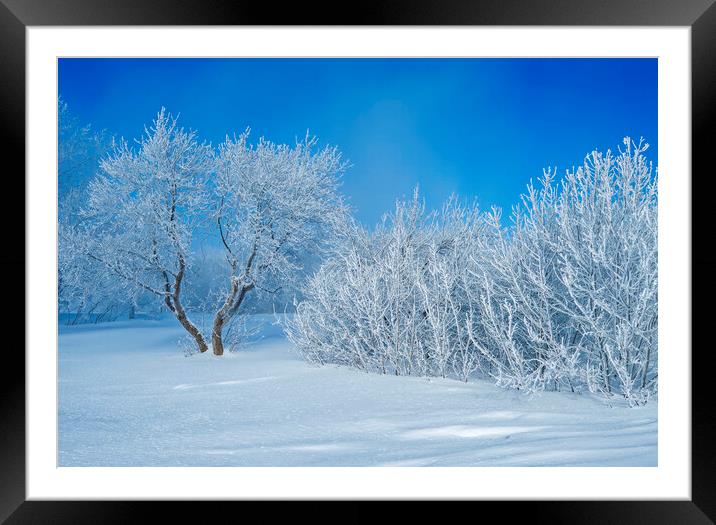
(390, 301)
(607, 224)
(565, 297)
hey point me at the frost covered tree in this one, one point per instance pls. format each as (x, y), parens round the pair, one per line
(79, 150)
(273, 204)
(271, 207)
(142, 209)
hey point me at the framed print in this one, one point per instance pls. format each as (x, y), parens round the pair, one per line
(425, 254)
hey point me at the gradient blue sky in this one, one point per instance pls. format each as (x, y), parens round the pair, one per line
(477, 127)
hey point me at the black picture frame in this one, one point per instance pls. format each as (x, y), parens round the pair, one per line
(700, 15)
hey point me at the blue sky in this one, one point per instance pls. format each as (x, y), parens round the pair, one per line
(477, 127)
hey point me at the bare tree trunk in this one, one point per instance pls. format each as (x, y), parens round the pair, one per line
(217, 343)
(646, 367)
(193, 330)
(178, 310)
(232, 303)
(230, 307)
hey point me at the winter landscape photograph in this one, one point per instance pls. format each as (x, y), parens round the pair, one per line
(338, 262)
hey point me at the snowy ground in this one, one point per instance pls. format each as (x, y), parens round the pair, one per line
(128, 396)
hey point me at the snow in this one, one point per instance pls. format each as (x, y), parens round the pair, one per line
(128, 396)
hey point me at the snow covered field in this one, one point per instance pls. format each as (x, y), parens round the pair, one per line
(129, 397)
